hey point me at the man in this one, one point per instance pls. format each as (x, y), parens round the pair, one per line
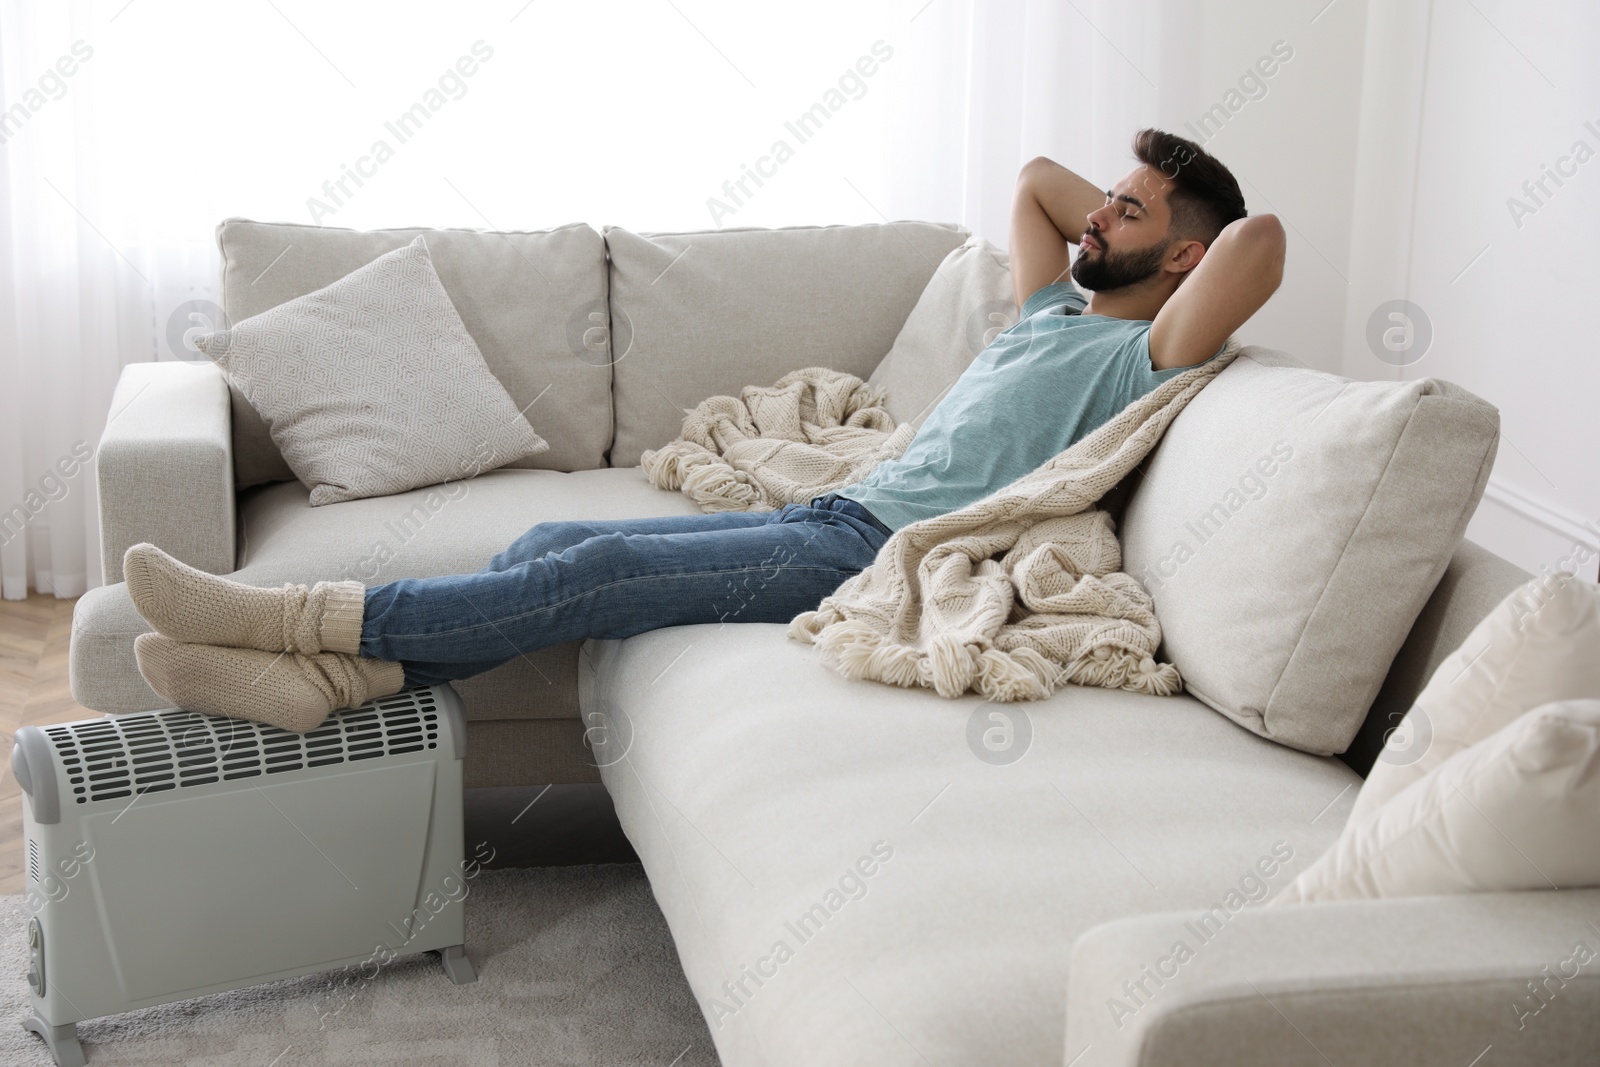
(1173, 266)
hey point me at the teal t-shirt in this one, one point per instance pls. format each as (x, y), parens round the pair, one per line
(1051, 379)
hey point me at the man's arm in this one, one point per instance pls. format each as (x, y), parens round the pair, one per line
(1234, 277)
(1050, 211)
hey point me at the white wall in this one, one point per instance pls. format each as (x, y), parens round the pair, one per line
(1493, 92)
(1292, 149)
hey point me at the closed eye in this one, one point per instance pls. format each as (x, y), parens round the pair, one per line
(1128, 206)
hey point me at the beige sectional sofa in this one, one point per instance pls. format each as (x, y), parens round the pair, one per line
(852, 873)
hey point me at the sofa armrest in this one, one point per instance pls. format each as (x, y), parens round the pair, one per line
(165, 466)
(1422, 981)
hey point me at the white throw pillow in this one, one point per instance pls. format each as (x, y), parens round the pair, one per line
(967, 302)
(1541, 644)
(1518, 810)
(1291, 525)
(372, 385)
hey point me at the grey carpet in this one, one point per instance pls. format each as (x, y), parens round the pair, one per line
(575, 966)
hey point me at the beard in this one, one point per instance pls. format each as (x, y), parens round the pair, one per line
(1105, 270)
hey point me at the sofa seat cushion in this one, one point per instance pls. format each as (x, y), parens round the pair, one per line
(428, 531)
(443, 529)
(759, 787)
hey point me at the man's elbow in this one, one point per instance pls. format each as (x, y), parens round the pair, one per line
(1268, 230)
(1263, 235)
(1256, 230)
(1271, 230)
(1034, 167)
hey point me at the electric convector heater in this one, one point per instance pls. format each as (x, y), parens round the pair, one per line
(172, 854)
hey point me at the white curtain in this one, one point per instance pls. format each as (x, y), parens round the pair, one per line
(75, 294)
(131, 129)
(991, 84)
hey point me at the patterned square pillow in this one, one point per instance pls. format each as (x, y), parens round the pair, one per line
(372, 385)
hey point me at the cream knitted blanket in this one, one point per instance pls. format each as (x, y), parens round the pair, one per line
(1021, 591)
(1012, 595)
(813, 431)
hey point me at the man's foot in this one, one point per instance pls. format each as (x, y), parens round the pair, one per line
(284, 689)
(192, 606)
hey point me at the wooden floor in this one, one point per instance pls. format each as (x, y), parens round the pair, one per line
(34, 636)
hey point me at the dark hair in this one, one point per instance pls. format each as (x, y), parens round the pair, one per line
(1204, 196)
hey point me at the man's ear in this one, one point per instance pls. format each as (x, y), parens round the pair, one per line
(1185, 256)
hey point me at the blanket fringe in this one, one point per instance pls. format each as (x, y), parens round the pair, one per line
(804, 626)
(1022, 674)
(1117, 668)
(703, 476)
(715, 486)
(949, 667)
(667, 466)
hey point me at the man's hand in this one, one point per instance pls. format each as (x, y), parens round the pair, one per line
(1050, 211)
(1235, 276)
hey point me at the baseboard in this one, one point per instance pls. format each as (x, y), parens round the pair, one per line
(1585, 532)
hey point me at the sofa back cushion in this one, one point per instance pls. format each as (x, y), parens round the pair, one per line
(1473, 585)
(527, 299)
(1291, 525)
(704, 314)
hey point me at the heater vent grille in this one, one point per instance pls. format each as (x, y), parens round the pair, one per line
(33, 861)
(153, 751)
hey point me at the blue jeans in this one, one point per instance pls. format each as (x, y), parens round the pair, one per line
(562, 581)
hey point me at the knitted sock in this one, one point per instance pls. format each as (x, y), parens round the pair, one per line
(288, 690)
(193, 606)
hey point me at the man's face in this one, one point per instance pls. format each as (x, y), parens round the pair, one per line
(1126, 241)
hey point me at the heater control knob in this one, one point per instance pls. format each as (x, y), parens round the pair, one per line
(36, 957)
